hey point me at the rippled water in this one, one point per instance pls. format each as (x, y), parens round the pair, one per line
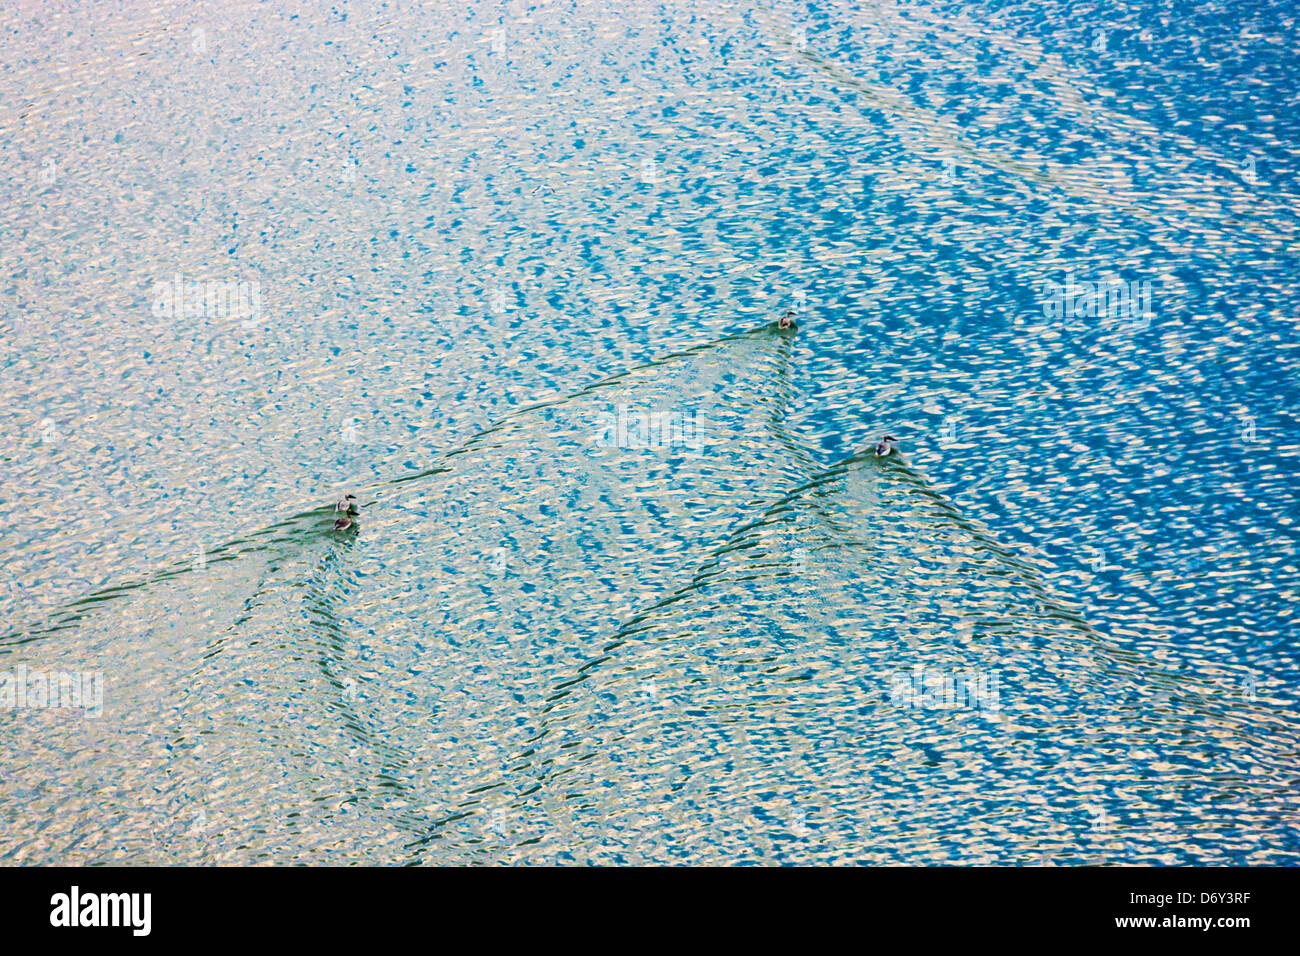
(627, 584)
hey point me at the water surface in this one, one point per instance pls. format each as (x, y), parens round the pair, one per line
(1058, 629)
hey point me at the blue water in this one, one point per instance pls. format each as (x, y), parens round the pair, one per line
(480, 234)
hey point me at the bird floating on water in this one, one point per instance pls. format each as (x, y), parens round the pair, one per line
(345, 509)
(887, 446)
(786, 321)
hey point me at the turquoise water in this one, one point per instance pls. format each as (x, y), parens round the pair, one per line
(627, 584)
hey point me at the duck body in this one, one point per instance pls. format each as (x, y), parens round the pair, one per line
(888, 445)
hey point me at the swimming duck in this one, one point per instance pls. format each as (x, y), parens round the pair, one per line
(345, 509)
(886, 446)
(786, 321)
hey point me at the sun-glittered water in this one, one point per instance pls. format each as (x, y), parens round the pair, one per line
(627, 584)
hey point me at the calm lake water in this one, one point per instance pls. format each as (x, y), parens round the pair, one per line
(627, 583)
